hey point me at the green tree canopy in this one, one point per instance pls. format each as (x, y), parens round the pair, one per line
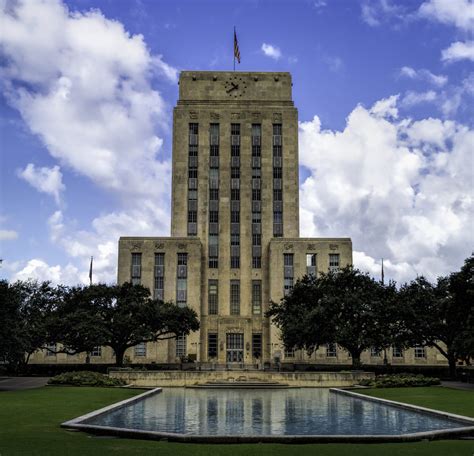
(118, 316)
(26, 310)
(347, 308)
(442, 315)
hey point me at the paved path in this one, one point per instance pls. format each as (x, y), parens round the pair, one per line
(455, 385)
(21, 383)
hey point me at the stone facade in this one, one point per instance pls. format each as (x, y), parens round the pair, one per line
(234, 244)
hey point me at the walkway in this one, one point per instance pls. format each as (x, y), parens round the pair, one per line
(459, 385)
(21, 383)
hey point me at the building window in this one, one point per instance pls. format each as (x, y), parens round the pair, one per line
(375, 352)
(288, 273)
(159, 276)
(235, 262)
(136, 272)
(213, 297)
(333, 262)
(140, 349)
(192, 178)
(235, 194)
(277, 181)
(212, 345)
(397, 352)
(289, 352)
(257, 345)
(213, 248)
(311, 264)
(181, 280)
(96, 351)
(51, 349)
(182, 259)
(331, 350)
(256, 297)
(181, 346)
(235, 297)
(420, 351)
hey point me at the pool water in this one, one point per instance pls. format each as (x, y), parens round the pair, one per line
(305, 411)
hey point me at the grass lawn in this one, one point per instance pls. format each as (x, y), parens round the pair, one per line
(29, 425)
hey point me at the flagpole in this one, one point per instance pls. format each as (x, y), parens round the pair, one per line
(90, 271)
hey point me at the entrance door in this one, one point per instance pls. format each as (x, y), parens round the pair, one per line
(235, 348)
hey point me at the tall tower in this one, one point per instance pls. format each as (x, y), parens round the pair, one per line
(235, 187)
(234, 242)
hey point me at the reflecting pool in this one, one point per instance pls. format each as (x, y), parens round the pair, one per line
(305, 411)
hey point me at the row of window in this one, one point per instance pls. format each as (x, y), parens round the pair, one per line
(140, 350)
(213, 239)
(235, 199)
(192, 178)
(256, 196)
(277, 181)
(181, 295)
(397, 352)
(159, 283)
(235, 189)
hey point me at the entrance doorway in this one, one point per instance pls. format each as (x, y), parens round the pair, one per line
(235, 347)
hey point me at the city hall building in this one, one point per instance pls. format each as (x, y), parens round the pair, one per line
(234, 244)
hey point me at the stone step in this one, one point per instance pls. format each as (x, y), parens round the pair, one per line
(240, 385)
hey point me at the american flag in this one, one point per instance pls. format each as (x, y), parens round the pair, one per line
(236, 47)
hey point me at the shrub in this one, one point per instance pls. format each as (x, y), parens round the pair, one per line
(85, 378)
(400, 381)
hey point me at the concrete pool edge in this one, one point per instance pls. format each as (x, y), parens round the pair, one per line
(404, 405)
(116, 405)
(77, 424)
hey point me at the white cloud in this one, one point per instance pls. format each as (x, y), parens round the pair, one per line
(425, 75)
(46, 180)
(459, 13)
(386, 107)
(400, 188)
(319, 4)
(8, 235)
(37, 269)
(376, 12)
(271, 51)
(335, 64)
(83, 84)
(100, 241)
(412, 98)
(458, 51)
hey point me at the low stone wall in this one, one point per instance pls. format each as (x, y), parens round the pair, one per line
(189, 378)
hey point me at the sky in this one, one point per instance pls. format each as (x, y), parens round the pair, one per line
(384, 90)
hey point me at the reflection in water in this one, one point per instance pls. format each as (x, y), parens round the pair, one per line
(305, 411)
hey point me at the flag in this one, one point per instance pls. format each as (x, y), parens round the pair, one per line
(90, 270)
(236, 48)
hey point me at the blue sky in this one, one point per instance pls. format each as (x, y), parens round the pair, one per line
(384, 90)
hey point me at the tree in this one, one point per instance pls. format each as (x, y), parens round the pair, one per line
(441, 315)
(118, 316)
(26, 309)
(347, 308)
(10, 344)
(302, 317)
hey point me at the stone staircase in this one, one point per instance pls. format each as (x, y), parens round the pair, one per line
(240, 383)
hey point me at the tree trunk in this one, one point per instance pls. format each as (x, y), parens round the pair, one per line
(119, 353)
(356, 364)
(452, 365)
